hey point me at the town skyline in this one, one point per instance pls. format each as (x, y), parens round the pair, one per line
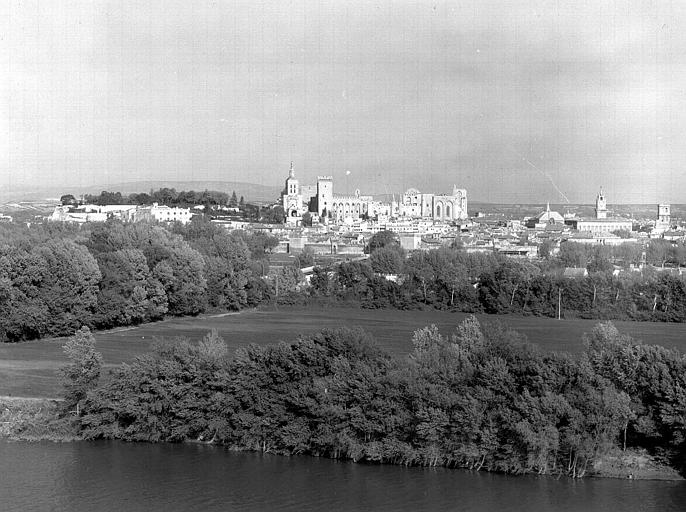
(515, 103)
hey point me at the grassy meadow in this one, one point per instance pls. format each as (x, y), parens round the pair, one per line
(29, 369)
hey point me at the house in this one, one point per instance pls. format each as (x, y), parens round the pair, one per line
(574, 273)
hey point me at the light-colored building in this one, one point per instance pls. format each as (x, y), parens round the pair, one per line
(324, 196)
(123, 212)
(415, 204)
(93, 213)
(163, 213)
(664, 218)
(545, 218)
(602, 224)
(350, 207)
(321, 200)
(600, 205)
(450, 207)
(292, 199)
(439, 207)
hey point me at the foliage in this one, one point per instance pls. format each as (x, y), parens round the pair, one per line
(380, 240)
(68, 199)
(273, 215)
(388, 259)
(166, 196)
(55, 278)
(306, 258)
(479, 397)
(82, 373)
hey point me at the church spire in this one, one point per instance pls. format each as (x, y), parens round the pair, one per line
(291, 172)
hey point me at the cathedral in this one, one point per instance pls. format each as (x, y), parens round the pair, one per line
(439, 207)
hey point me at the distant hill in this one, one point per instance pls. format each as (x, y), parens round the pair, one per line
(250, 191)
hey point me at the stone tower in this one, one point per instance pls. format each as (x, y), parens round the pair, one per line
(324, 195)
(291, 198)
(600, 206)
(664, 213)
(664, 218)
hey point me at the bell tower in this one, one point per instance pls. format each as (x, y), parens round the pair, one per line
(291, 183)
(291, 199)
(600, 205)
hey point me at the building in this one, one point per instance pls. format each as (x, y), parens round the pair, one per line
(322, 202)
(324, 196)
(163, 213)
(600, 205)
(450, 207)
(93, 213)
(415, 204)
(124, 212)
(664, 218)
(601, 224)
(292, 200)
(350, 207)
(440, 207)
(545, 218)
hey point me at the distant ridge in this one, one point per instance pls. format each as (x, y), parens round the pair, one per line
(250, 191)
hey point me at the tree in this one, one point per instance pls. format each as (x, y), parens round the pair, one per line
(306, 258)
(388, 259)
(68, 199)
(273, 215)
(69, 286)
(544, 249)
(382, 239)
(241, 203)
(83, 372)
(233, 202)
(307, 219)
(259, 244)
(599, 260)
(128, 293)
(658, 252)
(573, 254)
(622, 233)
(182, 276)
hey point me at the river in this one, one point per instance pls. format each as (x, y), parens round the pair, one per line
(113, 476)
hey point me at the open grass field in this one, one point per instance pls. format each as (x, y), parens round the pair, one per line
(30, 369)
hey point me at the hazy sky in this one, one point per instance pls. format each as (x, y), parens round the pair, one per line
(512, 100)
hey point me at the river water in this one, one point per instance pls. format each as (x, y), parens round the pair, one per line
(113, 476)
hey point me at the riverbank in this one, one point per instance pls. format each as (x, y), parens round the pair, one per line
(635, 465)
(35, 419)
(38, 419)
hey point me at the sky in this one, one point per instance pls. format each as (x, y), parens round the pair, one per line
(516, 101)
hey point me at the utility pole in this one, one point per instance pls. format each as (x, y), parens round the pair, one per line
(559, 303)
(276, 300)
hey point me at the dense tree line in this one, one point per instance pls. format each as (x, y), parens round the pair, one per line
(479, 398)
(657, 252)
(54, 279)
(452, 279)
(168, 196)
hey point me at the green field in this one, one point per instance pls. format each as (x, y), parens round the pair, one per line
(29, 369)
